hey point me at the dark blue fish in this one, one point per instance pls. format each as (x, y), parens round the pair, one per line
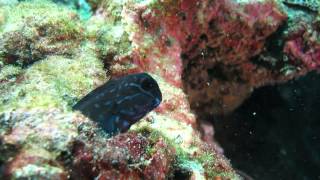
(119, 103)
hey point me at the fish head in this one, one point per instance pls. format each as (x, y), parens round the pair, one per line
(142, 95)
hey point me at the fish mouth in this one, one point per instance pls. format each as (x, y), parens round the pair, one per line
(157, 102)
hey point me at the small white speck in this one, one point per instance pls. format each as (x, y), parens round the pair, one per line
(117, 120)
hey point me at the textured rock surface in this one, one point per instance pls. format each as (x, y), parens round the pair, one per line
(221, 50)
(33, 140)
(207, 54)
(36, 30)
(49, 59)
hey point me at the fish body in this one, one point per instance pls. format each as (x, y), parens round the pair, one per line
(119, 103)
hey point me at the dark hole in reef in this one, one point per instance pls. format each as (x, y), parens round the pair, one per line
(217, 72)
(182, 15)
(213, 26)
(183, 56)
(189, 38)
(7, 152)
(168, 42)
(146, 23)
(181, 174)
(274, 43)
(12, 59)
(65, 157)
(204, 37)
(210, 51)
(273, 50)
(107, 59)
(275, 134)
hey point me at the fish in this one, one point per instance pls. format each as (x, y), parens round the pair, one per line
(121, 102)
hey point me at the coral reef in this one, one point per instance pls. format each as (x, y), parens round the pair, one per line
(32, 141)
(209, 55)
(224, 52)
(313, 5)
(150, 151)
(51, 82)
(49, 60)
(27, 37)
(303, 44)
(172, 43)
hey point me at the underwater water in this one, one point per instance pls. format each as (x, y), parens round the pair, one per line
(275, 134)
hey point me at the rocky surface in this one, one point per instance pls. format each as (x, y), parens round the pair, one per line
(206, 56)
(50, 58)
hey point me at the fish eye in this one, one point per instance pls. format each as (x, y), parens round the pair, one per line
(146, 85)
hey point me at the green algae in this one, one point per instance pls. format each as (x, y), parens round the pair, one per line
(10, 72)
(202, 165)
(36, 171)
(16, 15)
(114, 9)
(31, 31)
(54, 82)
(112, 41)
(67, 67)
(110, 34)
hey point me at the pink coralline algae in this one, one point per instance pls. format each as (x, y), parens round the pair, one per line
(215, 50)
(192, 42)
(310, 58)
(122, 157)
(25, 160)
(304, 47)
